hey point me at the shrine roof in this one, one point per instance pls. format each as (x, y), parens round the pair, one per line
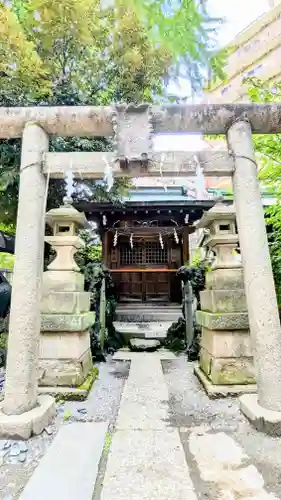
(158, 194)
(171, 197)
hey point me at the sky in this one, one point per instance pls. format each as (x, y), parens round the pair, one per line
(237, 15)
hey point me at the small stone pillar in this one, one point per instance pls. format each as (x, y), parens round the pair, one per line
(226, 362)
(263, 409)
(65, 355)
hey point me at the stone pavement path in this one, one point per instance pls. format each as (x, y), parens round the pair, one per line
(153, 456)
(146, 460)
(161, 438)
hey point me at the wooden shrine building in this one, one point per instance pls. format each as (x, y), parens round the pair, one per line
(146, 239)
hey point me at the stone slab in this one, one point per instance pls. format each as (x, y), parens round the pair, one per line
(151, 330)
(65, 302)
(144, 403)
(263, 420)
(226, 469)
(141, 345)
(227, 344)
(225, 279)
(147, 313)
(29, 423)
(227, 371)
(63, 281)
(147, 465)
(67, 322)
(125, 354)
(72, 345)
(69, 469)
(223, 301)
(222, 391)
(65, 393)
(223, 321)
(65, 372)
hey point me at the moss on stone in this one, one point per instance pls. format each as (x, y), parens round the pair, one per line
(88, 382)
(83, 388)
(232, 375)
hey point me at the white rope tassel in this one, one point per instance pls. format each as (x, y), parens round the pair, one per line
(69, 181)
(108, 175)
(176, 236)
(161, 241)
(104, 220)
(163, 156)
(201, 193)
(131, 241)
(115, 239)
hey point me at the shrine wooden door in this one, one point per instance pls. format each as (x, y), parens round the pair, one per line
(144, 272)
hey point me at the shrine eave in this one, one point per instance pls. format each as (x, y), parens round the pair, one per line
(129, 207)
(183, 213)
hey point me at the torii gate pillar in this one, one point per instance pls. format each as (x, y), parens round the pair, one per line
(263, 409)
(24, 412)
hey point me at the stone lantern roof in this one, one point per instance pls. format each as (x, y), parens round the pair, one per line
(218, 212)
(66, 214)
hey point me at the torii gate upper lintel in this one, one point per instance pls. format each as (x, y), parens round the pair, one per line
(95, 121)
(132, 129)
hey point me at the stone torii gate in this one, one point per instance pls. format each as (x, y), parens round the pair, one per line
(22, 411)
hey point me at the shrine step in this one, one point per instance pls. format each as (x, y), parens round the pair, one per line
(147, 314)
(151, 330)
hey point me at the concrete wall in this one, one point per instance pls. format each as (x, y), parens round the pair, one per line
(255, 52)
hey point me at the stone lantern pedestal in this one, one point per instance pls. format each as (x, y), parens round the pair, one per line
(226, 358)
(65, 355)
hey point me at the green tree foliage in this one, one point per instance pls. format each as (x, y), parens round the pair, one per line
(268, 149)
(188, 32)
(78, 52)
(90, 253)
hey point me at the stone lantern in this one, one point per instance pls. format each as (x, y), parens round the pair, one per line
(226, 360)
(65, 355)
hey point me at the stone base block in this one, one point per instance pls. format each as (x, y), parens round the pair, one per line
(227, 371)
(223, 301)
(65, 372)
(63, 281)
(64, 345)
(225, 279)
(65, 393)
(263, 420)
(65, 302)
(223, 321)
(222, 391)
(67, 322)
(227, 344)
(29, 423)
(72, 393)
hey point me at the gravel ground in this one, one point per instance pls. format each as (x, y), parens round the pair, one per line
(190, 407)
(101, 405)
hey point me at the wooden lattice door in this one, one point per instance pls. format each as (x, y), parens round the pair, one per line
(145, 277)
